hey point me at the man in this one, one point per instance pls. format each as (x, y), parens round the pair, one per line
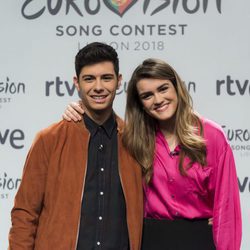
(80, 188)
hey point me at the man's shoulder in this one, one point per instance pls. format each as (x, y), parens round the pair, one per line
(60, 129)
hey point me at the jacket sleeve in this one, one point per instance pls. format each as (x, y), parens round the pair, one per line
(28, 202)
(227, 225)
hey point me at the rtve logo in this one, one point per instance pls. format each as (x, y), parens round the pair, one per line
(244, 185)
(14, 137)
(60, 87)
(232, 86)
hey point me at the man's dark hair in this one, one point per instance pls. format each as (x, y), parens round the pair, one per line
(95, 53)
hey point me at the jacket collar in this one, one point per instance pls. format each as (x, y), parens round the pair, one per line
(120, 125)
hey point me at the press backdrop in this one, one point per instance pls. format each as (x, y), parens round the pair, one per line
(206, 41)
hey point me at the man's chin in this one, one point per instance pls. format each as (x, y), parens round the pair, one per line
(100, 110)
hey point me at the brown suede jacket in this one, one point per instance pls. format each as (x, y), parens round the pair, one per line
(46, 213)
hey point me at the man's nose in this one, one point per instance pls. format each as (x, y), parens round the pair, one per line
(98, 85)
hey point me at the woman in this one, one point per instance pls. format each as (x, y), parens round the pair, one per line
(188, 165)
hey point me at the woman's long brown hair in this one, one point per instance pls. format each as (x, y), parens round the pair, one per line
(140, 129)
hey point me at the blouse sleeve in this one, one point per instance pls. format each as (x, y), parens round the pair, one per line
(227, 225)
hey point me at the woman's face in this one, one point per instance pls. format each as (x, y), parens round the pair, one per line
(158, 97)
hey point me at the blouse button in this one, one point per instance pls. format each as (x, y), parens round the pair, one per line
(171, 179)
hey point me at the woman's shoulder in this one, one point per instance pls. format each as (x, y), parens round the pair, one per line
(213, 132)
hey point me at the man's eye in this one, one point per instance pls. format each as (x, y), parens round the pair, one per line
(88, 79)
(107, 78)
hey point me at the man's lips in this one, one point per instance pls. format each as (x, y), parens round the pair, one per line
(99, 98)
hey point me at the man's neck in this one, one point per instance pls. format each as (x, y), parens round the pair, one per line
(99, 117)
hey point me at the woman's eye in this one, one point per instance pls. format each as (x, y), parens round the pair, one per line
(145, 97)
(164, 89)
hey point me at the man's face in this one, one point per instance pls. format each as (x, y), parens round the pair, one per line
(97, 84)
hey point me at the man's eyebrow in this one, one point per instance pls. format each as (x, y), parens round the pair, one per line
(108, 74)
(92, 76)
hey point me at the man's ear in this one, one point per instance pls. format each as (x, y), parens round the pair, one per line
(76, 83)
(119, 81)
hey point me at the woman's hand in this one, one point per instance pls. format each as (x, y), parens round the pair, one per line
(210, 221)
(73, 112)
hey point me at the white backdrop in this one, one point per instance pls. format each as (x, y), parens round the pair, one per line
(208, 43)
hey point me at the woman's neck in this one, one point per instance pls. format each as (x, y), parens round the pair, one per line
(169, 131)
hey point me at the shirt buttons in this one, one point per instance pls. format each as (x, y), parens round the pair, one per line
(172, 196)
(100, 148)
(102, 169)
(171, 179)
(176, 213)
(101, 193)
(100, 218)
(98, 243)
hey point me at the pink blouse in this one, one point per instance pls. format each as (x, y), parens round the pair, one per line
(206, 192)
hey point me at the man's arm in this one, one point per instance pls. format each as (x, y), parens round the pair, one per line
(29, 198)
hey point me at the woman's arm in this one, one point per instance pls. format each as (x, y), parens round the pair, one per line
(73, 111)
(227, 225)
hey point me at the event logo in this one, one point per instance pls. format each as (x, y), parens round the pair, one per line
(9, 89)
(244, 185)
(119, 7)
(232, 87)
(239, 139)
(8, 185)
(34, 9)
(15, 138)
